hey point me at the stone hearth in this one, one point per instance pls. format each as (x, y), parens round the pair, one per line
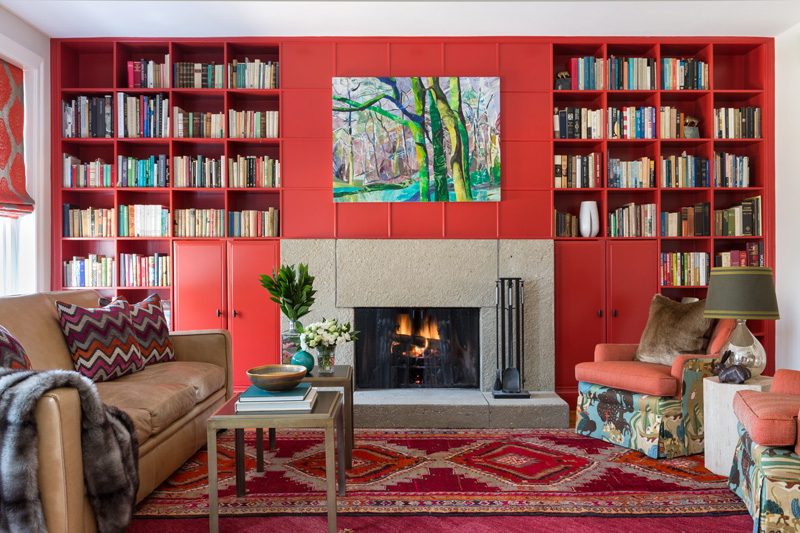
(441, 273)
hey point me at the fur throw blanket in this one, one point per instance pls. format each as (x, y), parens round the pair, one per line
(108, 444)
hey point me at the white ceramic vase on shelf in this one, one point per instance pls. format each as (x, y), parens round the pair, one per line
(589, 219)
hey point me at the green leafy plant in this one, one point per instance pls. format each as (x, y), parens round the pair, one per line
(292, 290)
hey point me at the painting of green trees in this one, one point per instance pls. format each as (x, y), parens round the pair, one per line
(416, 139)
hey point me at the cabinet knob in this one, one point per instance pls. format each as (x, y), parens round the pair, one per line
(614, 314)
(600, 313)
(234, 313)
(219, 313)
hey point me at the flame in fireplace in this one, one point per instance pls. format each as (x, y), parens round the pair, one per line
(428, 329)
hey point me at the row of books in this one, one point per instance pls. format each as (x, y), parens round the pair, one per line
(684, 269)
(586, 73)
(88, 117)
(672, 123)
(148, 74)
(632, 220)
(682, 171)
(96, 173)
(690, 221)
(731, 170)
(89, 222)
(138, 270)
(253, 223)
(683, 74)
(142, 116)
(92, 271)
(752, 255)
(300, 399)
(578, 171)
(565, 224)
(150, 172)
(737, 123)
(631, 174)
(631, 73)
(631, 122)
(143, 220)
(199, 223)
(189, 75)
(198, 124)
(577, 123)
(198, 171)
(253, 124)
(253, 171)
(254, 74)
(743, 219)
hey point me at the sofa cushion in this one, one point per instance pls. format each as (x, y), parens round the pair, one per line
(204, 378)
(769, 418)
(672, 329)
(722, 330)
(634, 376)
(151, 329)
(12, 354)
(102, 341)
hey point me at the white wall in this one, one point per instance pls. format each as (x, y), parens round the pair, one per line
(28, 48)
(787, 194)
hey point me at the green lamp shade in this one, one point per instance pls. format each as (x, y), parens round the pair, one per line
(742, 293)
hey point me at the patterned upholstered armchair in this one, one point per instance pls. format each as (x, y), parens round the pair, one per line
(654, 408)
(766, 465)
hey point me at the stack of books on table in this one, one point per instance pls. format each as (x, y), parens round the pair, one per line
(258, 401)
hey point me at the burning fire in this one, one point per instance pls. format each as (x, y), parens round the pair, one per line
(428, 329)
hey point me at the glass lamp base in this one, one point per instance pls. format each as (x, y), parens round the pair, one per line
(745, 350)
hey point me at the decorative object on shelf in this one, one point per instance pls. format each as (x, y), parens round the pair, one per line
(421, 165)
(294, 292)
(510, 319)
(690, 129)
(563, 81)
(274, 378)
(741, 293)
(589, 219)
(303, 358)
(325, 336)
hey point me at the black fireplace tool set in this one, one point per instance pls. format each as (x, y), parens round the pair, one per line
(510, 316)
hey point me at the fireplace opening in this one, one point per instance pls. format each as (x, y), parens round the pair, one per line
(403, 347)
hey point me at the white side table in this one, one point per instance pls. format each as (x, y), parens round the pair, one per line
(719, 421)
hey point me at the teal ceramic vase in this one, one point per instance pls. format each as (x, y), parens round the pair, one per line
(303, 358)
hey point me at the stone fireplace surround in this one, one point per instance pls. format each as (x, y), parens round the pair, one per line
(439, 273)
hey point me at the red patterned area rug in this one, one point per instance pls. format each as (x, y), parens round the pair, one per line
(544, 472)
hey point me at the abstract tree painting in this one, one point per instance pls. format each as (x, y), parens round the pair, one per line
(417, 139)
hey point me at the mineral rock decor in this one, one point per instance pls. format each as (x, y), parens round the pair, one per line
(417, 139)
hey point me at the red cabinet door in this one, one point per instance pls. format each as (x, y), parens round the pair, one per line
(199, 285)
(632, 282)
(252, 318)
(580, 315)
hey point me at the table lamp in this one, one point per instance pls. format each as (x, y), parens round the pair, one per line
(741, 293)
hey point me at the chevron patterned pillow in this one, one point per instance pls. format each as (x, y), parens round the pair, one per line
(151, 328)
(12, 354)
(102, 341)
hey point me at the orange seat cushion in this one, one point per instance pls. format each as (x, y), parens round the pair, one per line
(770, 418)
(634, 376)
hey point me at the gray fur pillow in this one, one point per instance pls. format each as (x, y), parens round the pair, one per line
(672, 329)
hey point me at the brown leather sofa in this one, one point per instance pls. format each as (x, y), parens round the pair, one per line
(169, 404)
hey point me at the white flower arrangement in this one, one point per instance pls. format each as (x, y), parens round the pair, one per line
(326, 334)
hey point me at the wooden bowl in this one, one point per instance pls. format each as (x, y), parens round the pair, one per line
(275, 378)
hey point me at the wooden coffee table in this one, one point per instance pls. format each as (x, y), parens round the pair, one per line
(327, 414)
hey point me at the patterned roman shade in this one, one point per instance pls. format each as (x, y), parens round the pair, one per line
(14, 200)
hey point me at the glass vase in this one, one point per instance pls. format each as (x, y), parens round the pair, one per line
(325, 358)
(290, 342)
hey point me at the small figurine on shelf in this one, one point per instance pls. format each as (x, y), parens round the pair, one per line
(563, 81)
(690, 129)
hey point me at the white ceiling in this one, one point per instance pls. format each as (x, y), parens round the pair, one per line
(189, 18)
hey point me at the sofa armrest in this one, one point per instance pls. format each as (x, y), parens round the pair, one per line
(61, 485)
(693, 369)
(206, 346)
(786, 381)
(614, 352)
